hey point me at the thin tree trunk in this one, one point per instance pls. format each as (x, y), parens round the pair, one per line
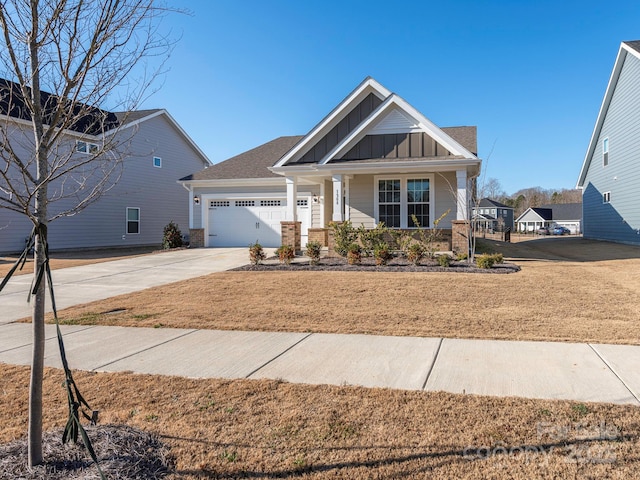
(37, 362)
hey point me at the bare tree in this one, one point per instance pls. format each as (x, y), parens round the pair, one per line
(62, 60)
(492, 189)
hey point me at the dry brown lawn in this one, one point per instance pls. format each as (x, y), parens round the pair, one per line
(74, 259)
(270, 429)
(569, 289)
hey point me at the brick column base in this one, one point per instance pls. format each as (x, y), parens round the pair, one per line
(291, 235)
(460, 231)
(196, 237)
(319, 235)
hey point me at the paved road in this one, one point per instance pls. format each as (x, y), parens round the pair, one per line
(549, 370)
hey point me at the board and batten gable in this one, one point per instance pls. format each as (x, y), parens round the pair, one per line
(611, 202)
(151, 189)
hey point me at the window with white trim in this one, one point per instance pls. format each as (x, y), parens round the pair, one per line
(418, 202)
(606, 197)
(399, 199)
(86, 147)
(133, 220)
(157, 162)
(605, 152)
(389, 202)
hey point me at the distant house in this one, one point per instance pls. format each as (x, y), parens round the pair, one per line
(492, 215)
(146, 197)
(373, 158)
(558, 214)
(610, 174)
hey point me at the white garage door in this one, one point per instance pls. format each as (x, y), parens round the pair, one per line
(240, 222)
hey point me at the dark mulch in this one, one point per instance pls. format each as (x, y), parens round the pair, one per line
(397, 264)
(123, 452)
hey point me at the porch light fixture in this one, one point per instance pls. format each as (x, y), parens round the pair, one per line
(196, 200)
(314, 199)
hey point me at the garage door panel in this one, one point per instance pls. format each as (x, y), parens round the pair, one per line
(238, 223)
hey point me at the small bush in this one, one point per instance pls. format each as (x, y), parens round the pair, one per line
(444, 260)
(313, 252)
(343, 235)
(485, 261)
(256, 253)
(461, 256)
(382, 253)
(354, 254)
(497, 258)
(172, 236)
(415, 253)
(285, 253)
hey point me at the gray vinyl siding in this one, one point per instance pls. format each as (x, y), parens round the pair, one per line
(445, 198)
(153, 190)
(618, 220)
(361, 198)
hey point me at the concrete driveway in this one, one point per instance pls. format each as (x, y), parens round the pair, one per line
(87, 283)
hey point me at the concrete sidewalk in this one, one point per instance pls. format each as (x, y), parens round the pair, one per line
(87, 283)
(546, 370)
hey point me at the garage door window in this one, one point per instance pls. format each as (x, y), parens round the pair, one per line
(245, 203)
(270, 203)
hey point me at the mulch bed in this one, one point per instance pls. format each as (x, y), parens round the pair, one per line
(123, 452)
(397, 264)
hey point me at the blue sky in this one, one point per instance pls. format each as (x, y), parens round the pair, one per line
(529, 74)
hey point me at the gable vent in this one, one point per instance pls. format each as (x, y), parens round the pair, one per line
(395, 122)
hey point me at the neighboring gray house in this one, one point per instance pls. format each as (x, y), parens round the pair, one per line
(567, 215)
(146, 198)
(610, 174)
(373, 158)
(492, 215)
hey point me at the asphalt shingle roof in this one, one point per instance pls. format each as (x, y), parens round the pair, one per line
(635, 44)
(251, 164)
(565, 211)
(487, 202)
(465, 136)
(91, 120)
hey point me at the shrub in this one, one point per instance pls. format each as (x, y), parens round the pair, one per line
(382, 253)
(485, 261)
(415, 253)
(256, 253)
(354, 254)
(343, 236)
(285, 253)
(444, 260)
(313, 252)
(497, 258)
(370, 239)
(461, 256)
(171, 237)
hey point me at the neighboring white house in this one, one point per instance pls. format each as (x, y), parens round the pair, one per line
(374, 158)
(610, 173)
(145, 199)
(568, 215)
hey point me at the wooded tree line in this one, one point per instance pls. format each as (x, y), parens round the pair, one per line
(528, 197)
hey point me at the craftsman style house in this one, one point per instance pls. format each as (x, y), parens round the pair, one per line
(374, 158)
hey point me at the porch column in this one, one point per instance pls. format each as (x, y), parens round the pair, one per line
(347, 198)
(337, 199)
(292, 199)
(462, 199)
